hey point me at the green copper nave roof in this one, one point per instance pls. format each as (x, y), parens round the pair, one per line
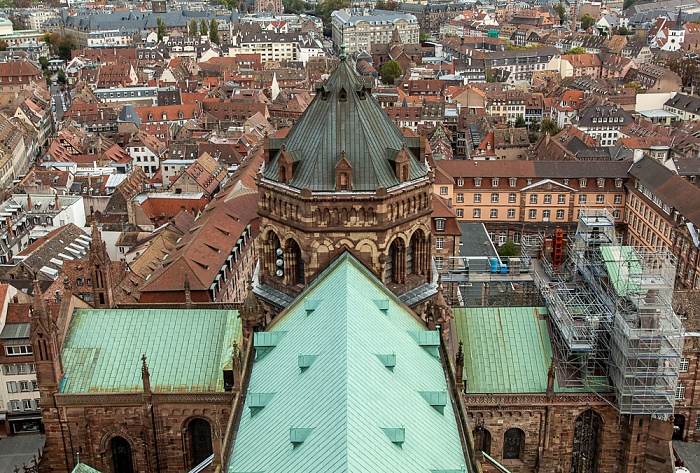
(346, 386)
(357, 125)
(185, 349)
(508, 350)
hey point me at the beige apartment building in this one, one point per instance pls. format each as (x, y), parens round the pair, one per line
(517, 200)
(663, 212)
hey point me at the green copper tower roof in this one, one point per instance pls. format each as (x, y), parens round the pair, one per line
(372, 400)
(186, 349)
(344, 117)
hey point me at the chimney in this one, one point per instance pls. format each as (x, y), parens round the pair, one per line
(8, 220)
(29, 203)
(57, 202)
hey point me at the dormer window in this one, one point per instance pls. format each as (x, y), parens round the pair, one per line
(342, 95)
(513, 182)
(477, 181)
(494, 182)
(440, 224)
(582, 182)
(601, 182)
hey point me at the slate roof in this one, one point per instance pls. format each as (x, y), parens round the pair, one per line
(357, 126)
(347, 396)
(668, 186)
(185, 348)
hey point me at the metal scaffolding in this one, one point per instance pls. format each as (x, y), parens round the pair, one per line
(611, 315)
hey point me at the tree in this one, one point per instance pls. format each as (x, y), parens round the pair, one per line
(424, 37)
(390, 71)
(295, 6)
(587, 20)
(623, 31)
(560, 9)
(509, 249)
(634, 85)
(204, 27)
(193, 30)
(324, 10)
(687, 69)
(161, 29)
(576, 50)
(520, 122)
(214, 31)
(64, 46)
(44, 63)
(61, 76)
(550, 127)
(3, 45)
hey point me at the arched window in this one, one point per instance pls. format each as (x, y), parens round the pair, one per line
(200, 441)
(121, 456)
(395, 262)
(296, 272)
(276, 255)
(586, 436)
(513, 444)
(486, 441)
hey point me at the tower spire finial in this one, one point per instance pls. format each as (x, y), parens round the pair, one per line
(342, 56)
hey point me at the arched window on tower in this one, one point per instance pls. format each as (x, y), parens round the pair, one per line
(200, 441)
(587, 428)
(396, 262)
(295, 272)
(122, 461)
(513, 444)
(276, 258)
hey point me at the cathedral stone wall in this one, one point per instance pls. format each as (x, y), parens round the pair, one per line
(625, 443)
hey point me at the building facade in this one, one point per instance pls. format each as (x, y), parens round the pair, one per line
(359, 29)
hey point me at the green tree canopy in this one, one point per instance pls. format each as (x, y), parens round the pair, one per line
(214, 31)
(687, 69)
(193, 29)
(623, 31)
(295, 6)
(509, 249)
(520, 122)
(61, 76)
(324, 10)
(390, 72)
(3, 45)
(550, 126)
(576, 50)
(43, 62)
(162, 30)
(634, 85)
(64, 46)
(587, 20)
(561, 11)
(204, 27)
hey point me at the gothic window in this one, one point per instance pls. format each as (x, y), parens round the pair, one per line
(343, 182)
(513, 444)
(121, 456)
(586, 436)
(200, 441)
(389, 273)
